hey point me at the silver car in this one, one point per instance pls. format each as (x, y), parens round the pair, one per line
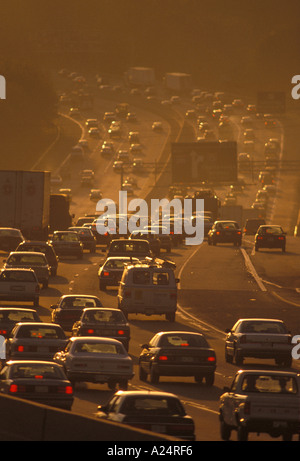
(96, 360)
(30, 260)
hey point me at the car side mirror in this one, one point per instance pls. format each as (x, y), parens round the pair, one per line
(227, 330)
(53, 306)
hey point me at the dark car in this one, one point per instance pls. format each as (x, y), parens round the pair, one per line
(225, 232)
(38, 381)
(163, 235)
(34, 341)
(111, 271)
(10, 316)
(67, 243)
(159, 412)
(252, 225)
(86, 237)
(69, 309)
(177, 353)
(151, 237)
(270, 236)
(10, 238)
(105, 322)
(42, 247)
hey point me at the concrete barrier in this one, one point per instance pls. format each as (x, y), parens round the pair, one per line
(22, 420)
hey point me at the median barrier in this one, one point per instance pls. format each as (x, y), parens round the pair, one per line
(22, 420)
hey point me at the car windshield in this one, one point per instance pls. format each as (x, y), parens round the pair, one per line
(227, 225)
(274, 230)
(27, 259)
(81, 302)
(18, 276)
(263, 327)
(270, 384)
(98, 348)
(17, 316)
(103, 316)
(10, 233)
(40, 332)
(182, 340)
(152, 406)
(35, 371)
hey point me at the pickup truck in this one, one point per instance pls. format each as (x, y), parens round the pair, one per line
(261, 401)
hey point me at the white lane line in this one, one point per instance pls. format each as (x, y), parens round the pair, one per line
(252, 270)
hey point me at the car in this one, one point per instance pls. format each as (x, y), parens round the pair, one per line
(10, 238)
(246, 120)
(134, 137)
(115, 130)
(270, 236)
(67, 243)
(266, 178)
(135, 148)
(95, 195)
(118, 165)
(103, 322)
(106, 149)
(86, 237)
(157, 126)
(38, 381)
(160, 412)
(19, 285)
(77, 153)
(67, 192)
(151, 237)
(163, 235)
(137, 248)
(123, 155)
(96, 360)
(191, 114)
(10, 316)
(92, 123)
(94, 132)
(225, 232)
(109, 116)
(261, 338)
(131, 117)
(252, 224)
(249, 134)
(34, 341)
(110, 272)
(138, 165)
(84, 220)
(68, 309)
(177, 353)
(41, 247)
(32, 260)
(87, 177)
(56, 180)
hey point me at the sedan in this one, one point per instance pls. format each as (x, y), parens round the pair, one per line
(42, 247)
(38, 381)
(110, 273)
(225, 232)
(30, 260)
(86, 237)
(270, 236)
(67, 243)
(34, 341)
(10, 316)
(149, 235)
(259, 338)
(10, 238)
(69, 309)
(104, 322)
(19, 285)
(96, 360)
(159, 412)
(177, 353)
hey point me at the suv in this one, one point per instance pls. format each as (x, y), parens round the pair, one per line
(148, 289)
(252, 225)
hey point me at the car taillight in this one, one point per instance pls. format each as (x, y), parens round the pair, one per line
(3, 332)
(90, 331)
(163, 357)
(65, 390)
(121, 332)
(259, 237)
(238, 232)
(105, 274)
(218, 233)
(281, 238)
(14, 388)
(20, 348)
(211, 358)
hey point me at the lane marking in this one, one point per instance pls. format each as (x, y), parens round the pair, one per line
(252, 270)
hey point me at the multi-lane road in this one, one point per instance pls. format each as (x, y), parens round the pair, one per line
(217, 286)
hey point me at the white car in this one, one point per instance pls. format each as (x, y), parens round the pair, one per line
(97, 360)
(19, 285)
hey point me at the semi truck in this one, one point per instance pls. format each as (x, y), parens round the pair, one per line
(24, 202)
(177, 82)
(140, 76)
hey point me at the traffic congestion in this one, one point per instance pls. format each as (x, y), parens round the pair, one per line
(141, 328)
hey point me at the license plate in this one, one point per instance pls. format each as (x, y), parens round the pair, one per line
(41, 389)
(187, 359)
(158, 428)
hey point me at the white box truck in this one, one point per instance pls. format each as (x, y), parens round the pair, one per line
(141, 76)
(178, 82)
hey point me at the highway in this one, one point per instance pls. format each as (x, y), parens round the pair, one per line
(217, 286)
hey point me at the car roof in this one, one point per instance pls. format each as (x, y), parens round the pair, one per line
(146, 393)
(268, 372)
(27, 253)
(175, 332)
(35, 243)
(25, 309)
(79, 296)
(27, 362)
(101, 309)
(94, 339)
(255, 319)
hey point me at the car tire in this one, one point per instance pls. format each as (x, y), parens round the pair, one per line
(171, 317)
(123, 385)
(36, 302)
(45, 284)
(238, 358)
(142, 374)
(209, 379)
(168, 250)
(242, 434)
(112, 385)
(225, 431)
(283, 249)
(154, 376)
(228, 358)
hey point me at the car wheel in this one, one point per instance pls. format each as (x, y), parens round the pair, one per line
(171, 317)
(210, 379)
(154, 376)
(80, 256)
(256, 248)
(242, 434)
(54, 272)
(168, 250)
(112, 385)
(214, 243)
(238, 358)
(208, 241)
(198, 379)
(283, 249)
(45, 284)
(225, 431)
(123, 385)
(228, 358)
(36, 302)
(142, 374)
